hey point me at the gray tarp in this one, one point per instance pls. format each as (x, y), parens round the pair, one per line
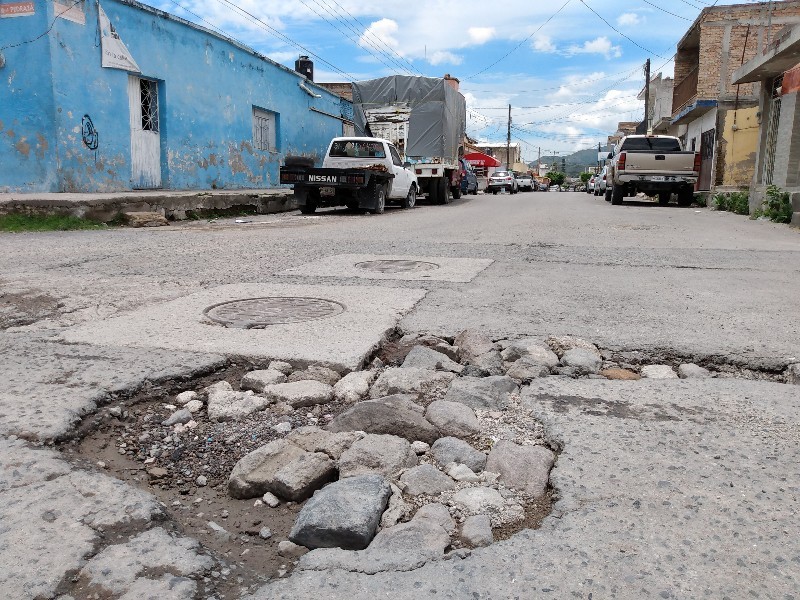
(438, 112)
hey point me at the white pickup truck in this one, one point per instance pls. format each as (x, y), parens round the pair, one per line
(357, 172)
(525, 182)
(653, 164)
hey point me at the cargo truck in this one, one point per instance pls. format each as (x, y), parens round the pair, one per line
(425, 119)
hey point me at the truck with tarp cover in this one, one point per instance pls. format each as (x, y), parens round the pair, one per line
(425, 118)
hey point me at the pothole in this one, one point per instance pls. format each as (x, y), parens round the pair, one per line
(256, 313)
(187, 465)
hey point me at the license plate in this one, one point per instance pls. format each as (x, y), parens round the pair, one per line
(658, 178)
(327, 191)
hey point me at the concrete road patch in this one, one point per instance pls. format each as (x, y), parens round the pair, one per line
(402, 268)
(298, 329)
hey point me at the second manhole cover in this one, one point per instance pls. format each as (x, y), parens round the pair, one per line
(396, 266)
(255, 313)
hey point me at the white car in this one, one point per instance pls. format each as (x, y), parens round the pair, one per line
(525, 182)
(502, 180)
(600, 185)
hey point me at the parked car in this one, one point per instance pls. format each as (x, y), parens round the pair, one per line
(590, 184)
(555, 188)
(600, 185)
(469, 181)
(502, 180)
(525, 182)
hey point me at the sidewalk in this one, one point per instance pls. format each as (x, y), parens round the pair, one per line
(172, 204)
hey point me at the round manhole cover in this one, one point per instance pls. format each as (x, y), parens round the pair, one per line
(396, 266)
(255, 313)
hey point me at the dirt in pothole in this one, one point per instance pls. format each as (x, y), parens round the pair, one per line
(19, 309)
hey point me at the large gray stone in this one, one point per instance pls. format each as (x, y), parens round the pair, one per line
(531, 348)
(527, 368)
(447, 450)
(490, 363)
(563, 343)
(388, 455)
(453, 418)
(344, 514)
(658, 372)
(486, 393)
(425, 480)
(258, 380)
(582, 360)
(314, 439)
(282, 468)
(471, 344)
(477, 531)
(316, 373)
(393, 415)
(438, 513)
(353, 386)
(404, 547)
(398, 380)
(478, 500)
(423, 357)
(692, 371)
(227, 405)
(298, 394)
(524, 468)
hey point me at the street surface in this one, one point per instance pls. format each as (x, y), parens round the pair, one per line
(664, 488)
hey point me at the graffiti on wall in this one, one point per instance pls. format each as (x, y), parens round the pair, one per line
(90, 136)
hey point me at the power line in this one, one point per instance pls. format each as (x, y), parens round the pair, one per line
(665, 10)
(618, 31)
(49, 29)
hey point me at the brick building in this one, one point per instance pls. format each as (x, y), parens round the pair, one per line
(777, 161)
(710, 113)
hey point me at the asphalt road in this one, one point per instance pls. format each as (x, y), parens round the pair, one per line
(690, 491)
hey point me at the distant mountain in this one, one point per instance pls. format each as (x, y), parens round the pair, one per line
(576, 163)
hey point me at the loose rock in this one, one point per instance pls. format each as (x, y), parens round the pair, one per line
(658, 372)
(453, 418)
(298, 394)
(353, 386)
(692, 371)
(561, 344)
(258, 380)
(314, 439)
(388, 455)
(344, 514)
(524, 468)
(527, 368)
(620, 374)
(425, 479)
(393, 415)
(583, 361)
(179, 416)
(398, 380)
(471, 344)
(426, 358)
(316, 373)
(185, 397)
(448, 450)
(477, 531)
(486, 393)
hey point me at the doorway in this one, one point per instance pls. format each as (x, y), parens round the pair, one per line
(145, 133)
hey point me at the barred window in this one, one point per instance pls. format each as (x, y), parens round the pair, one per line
(264, 125)
(148, 92)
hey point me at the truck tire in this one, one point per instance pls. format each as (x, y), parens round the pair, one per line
(685, 196)
(443, 191)
(456, 191)
(664, 197)
(309, 208)
(379, 198)
(411, 198)
(617, 194)
(607, 195)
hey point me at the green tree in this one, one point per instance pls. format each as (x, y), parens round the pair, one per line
(585, 176)
(556, 178)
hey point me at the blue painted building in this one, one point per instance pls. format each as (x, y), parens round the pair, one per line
(176, 106)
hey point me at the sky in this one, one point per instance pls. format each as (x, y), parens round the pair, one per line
(570, 69)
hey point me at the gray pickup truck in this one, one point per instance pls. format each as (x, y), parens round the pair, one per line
(653, 164)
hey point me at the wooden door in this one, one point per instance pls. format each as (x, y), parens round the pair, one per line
(145, 136)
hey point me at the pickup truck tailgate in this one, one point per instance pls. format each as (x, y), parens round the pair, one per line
(665, 163)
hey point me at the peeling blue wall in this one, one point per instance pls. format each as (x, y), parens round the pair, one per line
(27, 137)
(208, 87)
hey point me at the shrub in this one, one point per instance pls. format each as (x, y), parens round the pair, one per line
(777, 206)
(736, 202)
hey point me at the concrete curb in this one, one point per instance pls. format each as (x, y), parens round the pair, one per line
(174, 205)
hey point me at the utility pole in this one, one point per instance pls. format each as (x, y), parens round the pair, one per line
(647, 96)
(599, 164)
(508, 141)
(539, 163)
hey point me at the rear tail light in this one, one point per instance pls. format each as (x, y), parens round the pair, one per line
(621, 162)
(697, 161)
(604, 177)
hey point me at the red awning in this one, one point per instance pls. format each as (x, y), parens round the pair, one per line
(478, 159)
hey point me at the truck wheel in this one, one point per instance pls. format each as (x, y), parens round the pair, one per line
(443, 192)
(663, 197)
(685, 196)
(410, 199)
(456, 191)
(352, 205)
(617, 194)
(607, 195)
(308, 208)
(380, 199)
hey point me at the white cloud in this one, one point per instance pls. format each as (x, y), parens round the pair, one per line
(481, 35)
(283, 57)
(601, 45)
(440, 57)
(543, 43)
(384, 30)
(628, 20)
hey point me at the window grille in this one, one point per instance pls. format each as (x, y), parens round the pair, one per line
(772, 130)
(263, 130)
(148, 92)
